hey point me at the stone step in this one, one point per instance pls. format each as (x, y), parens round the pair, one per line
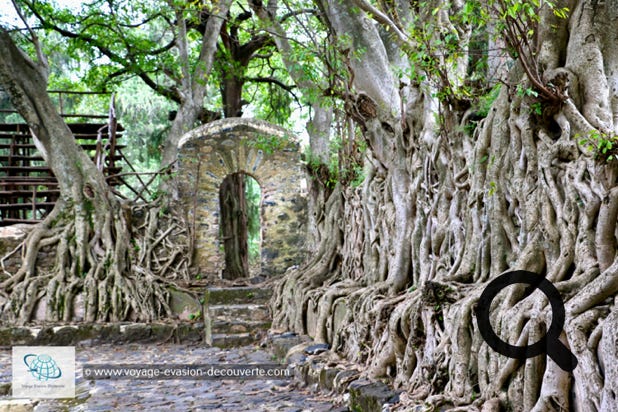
(237, 295)
(237, 326)
(248, 312)
(177, 332)
(224, 340)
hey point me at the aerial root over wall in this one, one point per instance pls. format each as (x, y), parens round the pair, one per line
(115, 263)
(512, 196)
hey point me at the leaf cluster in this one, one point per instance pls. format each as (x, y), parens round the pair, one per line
(269, 143)
(604, 146)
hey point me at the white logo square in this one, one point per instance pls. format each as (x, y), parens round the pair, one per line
(43, 372)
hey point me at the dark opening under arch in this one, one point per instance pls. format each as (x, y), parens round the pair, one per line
(240, 229)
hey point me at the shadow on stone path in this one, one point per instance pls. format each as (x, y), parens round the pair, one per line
(175, 395)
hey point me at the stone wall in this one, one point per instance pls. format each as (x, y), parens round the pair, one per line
(10, 238)
(184, 306)
(213, 151)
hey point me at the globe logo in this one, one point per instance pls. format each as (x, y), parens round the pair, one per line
(42, 367)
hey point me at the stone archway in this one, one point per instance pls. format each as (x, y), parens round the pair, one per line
(271, 156)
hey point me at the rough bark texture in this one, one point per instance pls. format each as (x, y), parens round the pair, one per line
(232, 97)
(193, 85)
(89, 228)
(441, 212)
(318, 127)
(234, 226)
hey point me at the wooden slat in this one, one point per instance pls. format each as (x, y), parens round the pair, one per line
(11, 221)
(5, 158)
(18, 146)
(34, 158)
(24, 169)
(27, 206)
(75, 127)
(31, 146)
(42, 169)
(66, 116)
(28, 180)
(26, 193)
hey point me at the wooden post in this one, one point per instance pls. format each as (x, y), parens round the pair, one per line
(112, 126)
(33, 201)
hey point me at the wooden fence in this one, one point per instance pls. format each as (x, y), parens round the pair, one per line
(28, 188)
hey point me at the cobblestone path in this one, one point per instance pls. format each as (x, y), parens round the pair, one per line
(175, 395)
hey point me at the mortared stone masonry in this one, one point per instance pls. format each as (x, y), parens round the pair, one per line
(270, 155)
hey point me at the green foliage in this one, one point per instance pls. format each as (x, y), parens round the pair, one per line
(108, 44)
(358, 176)
(492, 188)
(535, 105)
(144, 115)
(515, 22)
(269, 143)
(536, 108)
(195, 315)
(271, 103)
(483, 105)
(135, 245)
(604, 147)
(505, 13)
(435, 51)
(342, 167)
(528, 91)
(327, 174)
(5, 104)
(487, 100)
(253, 197)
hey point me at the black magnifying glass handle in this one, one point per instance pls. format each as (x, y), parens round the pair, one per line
(561, 355)
(549, 343)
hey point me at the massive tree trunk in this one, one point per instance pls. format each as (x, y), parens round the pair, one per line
(442, 212)
(233, 217)
(88, 228)
(232, 96)
(318, 127)
(194, 80)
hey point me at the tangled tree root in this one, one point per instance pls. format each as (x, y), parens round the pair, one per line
(553, 213)
(119, 267)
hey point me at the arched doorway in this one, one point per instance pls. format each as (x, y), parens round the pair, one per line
(240, 229)
(269, 154)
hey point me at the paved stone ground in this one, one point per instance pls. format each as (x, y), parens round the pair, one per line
(176, 395)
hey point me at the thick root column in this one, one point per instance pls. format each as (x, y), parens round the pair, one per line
(119, 270)
(520, 192)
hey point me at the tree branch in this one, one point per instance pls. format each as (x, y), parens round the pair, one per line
(295, 13)
(170, 93)
(19, 76)
(283, 45)
(272, 80)
(183, 53)
(256, 43)
(382, 18)
(209, 43)
(43, 68)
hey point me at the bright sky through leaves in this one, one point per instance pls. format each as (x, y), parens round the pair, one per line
(9, 17)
